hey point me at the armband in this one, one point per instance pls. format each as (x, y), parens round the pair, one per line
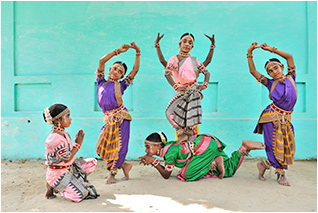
(77, 146)
(155, 162)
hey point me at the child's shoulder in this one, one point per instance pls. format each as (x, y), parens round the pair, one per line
(54, 139)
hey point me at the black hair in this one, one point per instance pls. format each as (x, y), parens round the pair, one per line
(187, 34)
(155, 137)
(55, 109)
(271, 60)
(123, 64)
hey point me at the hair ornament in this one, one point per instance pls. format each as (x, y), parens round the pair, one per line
(62, 113)
(120, 65)
(48, 116)
(187, 37)
(271, 63)
(162, 137)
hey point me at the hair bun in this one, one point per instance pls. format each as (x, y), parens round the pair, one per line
(47, 116)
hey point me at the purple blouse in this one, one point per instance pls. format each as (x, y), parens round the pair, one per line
(106, 93)
(284, 94)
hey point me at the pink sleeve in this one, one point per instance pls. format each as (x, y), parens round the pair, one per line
(56, 145)
(172, 64)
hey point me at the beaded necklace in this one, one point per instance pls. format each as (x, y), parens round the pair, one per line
(183, 54)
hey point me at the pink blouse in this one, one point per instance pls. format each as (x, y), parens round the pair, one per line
(186, 73)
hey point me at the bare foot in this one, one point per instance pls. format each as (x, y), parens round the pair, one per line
(282, 180)
(111, 179)
(49, 193)
(220, 166)
(251, 145)
(261, 170)
(182, 138)
(126, 168)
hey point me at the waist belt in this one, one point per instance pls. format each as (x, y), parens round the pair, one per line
(114, 111)
(55, 167)
(279, 110)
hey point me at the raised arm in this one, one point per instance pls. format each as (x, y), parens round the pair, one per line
(159, 53)
(79, 137)
(105, 58)
(289, 58)
(251, 65)
(135, 69)
(210, 54)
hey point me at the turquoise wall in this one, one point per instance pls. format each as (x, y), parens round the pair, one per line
(50, 51)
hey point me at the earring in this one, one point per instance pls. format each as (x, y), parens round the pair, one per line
(59, 125)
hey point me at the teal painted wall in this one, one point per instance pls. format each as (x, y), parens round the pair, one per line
(50, 51)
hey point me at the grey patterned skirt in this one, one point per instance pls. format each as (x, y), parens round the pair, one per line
(184, 109)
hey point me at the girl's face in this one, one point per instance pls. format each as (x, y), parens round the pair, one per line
(66, 120)
(275, 71)
(152, 149)
(186, 45)
(116, 72)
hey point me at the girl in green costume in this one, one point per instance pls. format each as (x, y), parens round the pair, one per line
(204, 157)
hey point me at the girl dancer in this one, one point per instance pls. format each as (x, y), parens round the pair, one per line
(64, 174)
(275, 120)
(112, 143)
(202, 158)
(205, 63)
(184, 109)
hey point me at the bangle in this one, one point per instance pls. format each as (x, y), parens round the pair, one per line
(274, 50)
(157, 45)
(155, 162)
(77, 146)
(138, 53)
(249, 55)
(212, 47)
(205, 84)
(116, 52)
(175, 86)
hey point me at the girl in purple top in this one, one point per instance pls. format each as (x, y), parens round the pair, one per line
(112, 143)
(275, 120)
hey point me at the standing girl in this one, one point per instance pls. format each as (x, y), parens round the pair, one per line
(275, 120)
(205, 63)
(112, 143)
(64, 174)
(184, 109)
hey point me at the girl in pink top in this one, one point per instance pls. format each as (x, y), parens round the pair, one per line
(65, 174)
(184, 109)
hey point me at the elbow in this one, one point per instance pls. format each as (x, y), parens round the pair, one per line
(163, 62)
(166, 177)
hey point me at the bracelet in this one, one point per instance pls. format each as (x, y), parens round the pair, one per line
(138, 53)
(77, 146)
(212, 47)
(175, 86)
(116, 52)
(205, 84)
(155, 162)
(157, 45)
(249, 55)
(274, 50)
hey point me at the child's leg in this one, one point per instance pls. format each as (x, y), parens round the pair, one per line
(111, 176)
(126, 168)
(232, 164)
(49, 192)
(262, 167)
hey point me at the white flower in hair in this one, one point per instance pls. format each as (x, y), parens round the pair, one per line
(48, 116)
